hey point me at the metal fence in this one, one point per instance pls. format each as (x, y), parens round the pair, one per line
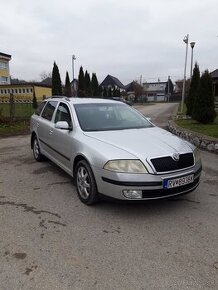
(16, 110)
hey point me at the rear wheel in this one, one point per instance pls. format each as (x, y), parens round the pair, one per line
(85, 183)
(36, 150)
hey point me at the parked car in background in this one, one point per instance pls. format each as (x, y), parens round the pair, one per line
(111, 149)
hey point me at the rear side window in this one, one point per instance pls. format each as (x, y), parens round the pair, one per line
(40, 108)
(49, 110)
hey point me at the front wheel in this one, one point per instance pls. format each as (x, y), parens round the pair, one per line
(85, 183)
(36, 150)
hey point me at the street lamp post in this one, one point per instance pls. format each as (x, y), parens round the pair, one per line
(73, 59)
(184, 80)
(192, 46)
(74, 88)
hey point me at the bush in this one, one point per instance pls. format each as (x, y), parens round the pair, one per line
(204, 109)
(193, 91)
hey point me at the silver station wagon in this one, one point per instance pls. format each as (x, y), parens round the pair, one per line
(111, 149)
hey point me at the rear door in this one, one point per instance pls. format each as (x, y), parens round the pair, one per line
(45, 127)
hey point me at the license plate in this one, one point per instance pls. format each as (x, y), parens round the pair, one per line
(179, 181)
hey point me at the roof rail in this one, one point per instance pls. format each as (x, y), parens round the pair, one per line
(60, 97)
(57, 97)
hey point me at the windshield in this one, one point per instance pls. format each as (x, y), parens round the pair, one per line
(109, 116)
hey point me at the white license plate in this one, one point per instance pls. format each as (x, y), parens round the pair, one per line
(180, 181)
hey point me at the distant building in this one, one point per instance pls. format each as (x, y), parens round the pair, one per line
(214, 75)
(112, 82)
(155, 91)
(24, 92)
(4, 68)
(159, 91)
(178, 86)
(134, 91)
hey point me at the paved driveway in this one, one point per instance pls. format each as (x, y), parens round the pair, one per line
(159, 113)
(50, 240)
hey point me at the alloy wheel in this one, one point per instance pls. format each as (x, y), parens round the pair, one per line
(83, 182)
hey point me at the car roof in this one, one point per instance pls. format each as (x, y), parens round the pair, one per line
(81, 100)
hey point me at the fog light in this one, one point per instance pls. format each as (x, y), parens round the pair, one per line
(132, 193)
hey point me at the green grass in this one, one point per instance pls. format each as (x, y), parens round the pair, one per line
(21, 110)
(208, 129)
(21, 127)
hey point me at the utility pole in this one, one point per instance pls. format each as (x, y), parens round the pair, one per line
(73, 59)
(140, 80)
(192, 46)
(184, 80)
(74, 88)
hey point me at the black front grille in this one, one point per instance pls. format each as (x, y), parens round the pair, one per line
(163, 164)
(155, 193)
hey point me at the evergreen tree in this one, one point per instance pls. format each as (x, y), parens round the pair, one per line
(204, 109)
(95, 86)
(116, 92)
(67, 89)
(11, 107)
(109, 93)
(105, 93)
(34, 101)
(193, 91)
(56, 81)
(81, 83)
(88, 89)
(171, 87)
(100, 90)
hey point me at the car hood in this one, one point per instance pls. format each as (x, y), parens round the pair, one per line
(143, 143)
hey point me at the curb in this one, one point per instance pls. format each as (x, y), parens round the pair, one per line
(199, 140)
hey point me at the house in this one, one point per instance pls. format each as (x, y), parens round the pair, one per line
(155, 91)
(111, 82)
(159, 91)
(23, 92)
(214, 75)
(134, 91)
(4, 68)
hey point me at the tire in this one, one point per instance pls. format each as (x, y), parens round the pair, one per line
(85, 183)
(36, 150)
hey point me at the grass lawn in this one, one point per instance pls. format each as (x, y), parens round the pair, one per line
(208, 129)
(20, 127)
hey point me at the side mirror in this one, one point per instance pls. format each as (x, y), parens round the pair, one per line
(63, 125)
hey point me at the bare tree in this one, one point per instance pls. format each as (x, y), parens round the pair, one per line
(44, 75)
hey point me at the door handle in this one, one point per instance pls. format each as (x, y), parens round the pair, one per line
(50, 132)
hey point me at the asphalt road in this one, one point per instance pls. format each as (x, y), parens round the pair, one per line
(50, 240)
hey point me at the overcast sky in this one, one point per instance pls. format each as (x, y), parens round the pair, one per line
(123, 38)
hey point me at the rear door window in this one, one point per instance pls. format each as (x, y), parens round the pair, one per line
(40, 108)
(49, 110)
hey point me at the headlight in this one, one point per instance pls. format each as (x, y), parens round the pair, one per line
(128, 166)
(197, 155)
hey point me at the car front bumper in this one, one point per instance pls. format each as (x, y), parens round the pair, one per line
(151, 185)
